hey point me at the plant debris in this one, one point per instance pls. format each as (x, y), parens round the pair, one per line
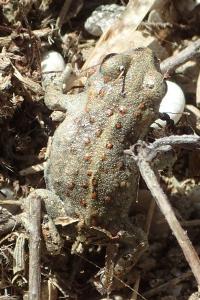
(30, 29)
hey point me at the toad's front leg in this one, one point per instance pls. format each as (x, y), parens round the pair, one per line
(55, 99)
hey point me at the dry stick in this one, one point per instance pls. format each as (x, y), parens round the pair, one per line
(63, 13)
(6, 40)
(34, 247)
(143, 155)
(172, 62)
(149, 218)
(192, 223)
(10, 202)
(146, 229)
(167, 285)
(135, 294)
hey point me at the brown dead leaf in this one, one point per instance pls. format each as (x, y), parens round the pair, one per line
(28, 83)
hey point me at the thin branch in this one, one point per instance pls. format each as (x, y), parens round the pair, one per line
(34, 246)
(10, 202)
(135, 294)
(173, 62)
(150, 214)
(167, 285)
(184, 140)
(63, 12)
(143, 155)
(6, 40)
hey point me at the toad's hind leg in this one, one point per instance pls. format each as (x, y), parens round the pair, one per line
(51, 203)
(53, 212)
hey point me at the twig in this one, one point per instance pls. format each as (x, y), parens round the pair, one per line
(143, 155)
(34, 247)
(171, 283)
(33, 169)
(184, 140)
(191, 223)
(134, 295)
(172, 62)
(116, 277)
(63, 12)
(6, 40)
(193, 109)
(27, 82)
(10, 202)
(184, 223)
(150, 214)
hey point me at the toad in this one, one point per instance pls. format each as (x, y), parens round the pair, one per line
(88, 176)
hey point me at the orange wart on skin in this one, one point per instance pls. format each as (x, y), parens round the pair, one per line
(122, 110)
(109, 145)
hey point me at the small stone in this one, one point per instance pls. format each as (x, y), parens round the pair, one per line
(102, 18)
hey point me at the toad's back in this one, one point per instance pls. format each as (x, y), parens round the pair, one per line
(87, 168)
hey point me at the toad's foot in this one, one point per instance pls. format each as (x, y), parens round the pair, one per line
(120, 259)
(55, 99)
(123, 250)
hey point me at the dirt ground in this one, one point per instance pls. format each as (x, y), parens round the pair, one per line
(30, 28)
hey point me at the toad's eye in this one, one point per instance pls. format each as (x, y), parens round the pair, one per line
(106, 57)
(114, 64)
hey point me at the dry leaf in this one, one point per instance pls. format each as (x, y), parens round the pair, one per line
(28, 83)
(120, 36)
(64, 221)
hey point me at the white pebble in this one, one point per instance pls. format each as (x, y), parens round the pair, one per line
(52, 61)
(172, 104)
(102, 18)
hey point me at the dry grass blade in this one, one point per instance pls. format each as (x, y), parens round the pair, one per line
(119, 37)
